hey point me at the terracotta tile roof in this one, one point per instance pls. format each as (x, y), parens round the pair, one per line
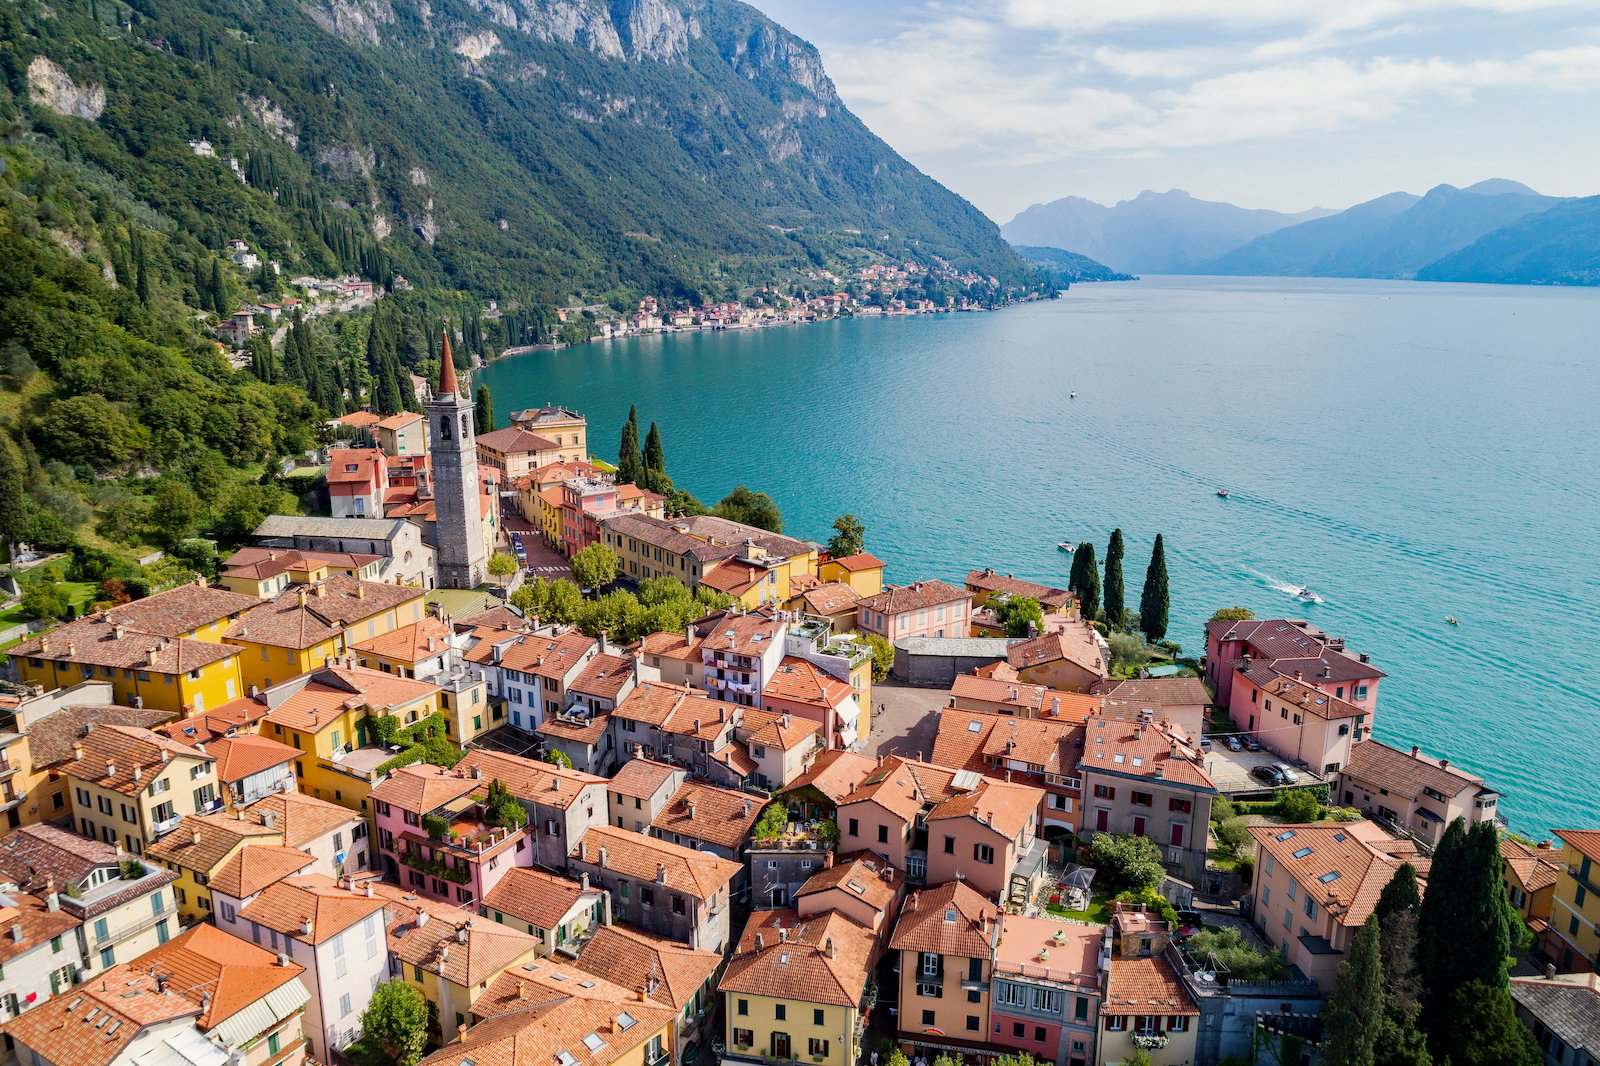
(793, 960)
(802, 681)
(722, 531)
(240, 756)
(61, 1031)
(39, 924)
(950, 919)
(534, 780)
(412, 643)
(1535, 868)
(859, 561)
(1157, 691)
(34, 854)
(252, 869)
(1301, 696)
(1586, 841)
(95, 640)
(535, 1012)
(51, 737)
(898, 599)
(1407, 773)
(603, 677)
(358, 419)
(741, 634)
(303, 819)
(314, 898)
(535, 896)
(423, 789)
(674, 708)
(1343, 865)
(1567, 1004)
(835, 774)
(715, 815)
(552, 657)
(357, 466)
(831, 598)
(1293, 644)
(632, 958)
(180, 610)
(736, 758)
(500, 617)
(218, 834)
(125, 758)
(977, 740)
(634, 492)
(776, 729)
(287, 621)
(1120, 746)
(733, 577)
(460, 946)
(514, 441)
(580, 731)
(860, 874)
(223, 722)
(1033, 701)
(640, 778)
(1005, 584)
(697, 874)
(327, 692)
(343, 599)
(668, 645)
(399, 421)
(1146, 986)
(904, 787)
(1003, 806)
(1075, 644)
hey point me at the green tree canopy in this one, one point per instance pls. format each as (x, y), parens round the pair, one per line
(395, 1023)
(502, 565)
(751, 508)
(44, 599)
(594, 567)
(849, 537)
(1353, 1015)
(1155, 602)
(1479, 1027)
(175, 511)
(1127, 861)
(1232, 614)
(1116, 607)
(882, 655)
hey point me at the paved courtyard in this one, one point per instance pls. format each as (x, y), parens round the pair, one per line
(1230, 770)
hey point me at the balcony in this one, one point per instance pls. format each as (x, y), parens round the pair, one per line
(820, 834)
(11, 800)
(149, 921)
(163, 826)
(7, 768)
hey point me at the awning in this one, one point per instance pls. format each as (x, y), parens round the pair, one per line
(1429, 816)
(848, 736)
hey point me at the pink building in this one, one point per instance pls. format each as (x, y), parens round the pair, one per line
(358, 481)
(434, 836)
(921, 609)
(1047, 988)
(1292, 648)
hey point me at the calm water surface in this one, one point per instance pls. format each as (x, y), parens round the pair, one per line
(1409, 451)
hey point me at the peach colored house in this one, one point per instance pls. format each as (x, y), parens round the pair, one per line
(1287, 645)
(433, 836)
(800, 688)
(921, 609)
(1042, 753)
(1414, 791)
(989, 836)
(880, 812)
(1180, 700)
(860, 886)
(946, 939)
(998, 696)
(1073, 657)
(358, 480)
(1316, 884)
(1297, 720)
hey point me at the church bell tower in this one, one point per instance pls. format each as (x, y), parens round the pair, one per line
(458, 513)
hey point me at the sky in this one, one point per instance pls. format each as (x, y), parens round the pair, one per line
(1284, 104)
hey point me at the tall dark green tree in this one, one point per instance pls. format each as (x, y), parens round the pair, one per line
(483, 411)
(13, 496)
(1479, 1027)
(1400, 895)
(1088, 589)
(630, 463)
(218, 294)
(1463, 932)
(655, 457)
(1075, 576)
(1353, 1015)
(1155, 602)
(141, 269)
(1116, 606)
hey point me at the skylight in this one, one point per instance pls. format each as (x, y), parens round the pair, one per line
(783, 959)
(1331, 875)
(974, 727)
(593, 1042)
(559, 976)
(855, 886)
(564, 1058)
(626, 1021)
(1119, 757)
(1138, 760)
(1287, 834)
(1301, 853)
(585, 984)
(113, 1027)
(950, 914)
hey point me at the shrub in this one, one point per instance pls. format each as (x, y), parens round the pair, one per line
(1222, 809)
(1234, 835)
(1129, 862)
(1152, 900)
(1299, 805)
(1244, 961)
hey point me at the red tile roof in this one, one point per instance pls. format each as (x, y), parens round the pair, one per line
(1005, 584)
(898, 599)
(303, 819)
(704, 812)
(858, 562)
(238, 757)
(535, 896)
(603, 676)
(801, 681)
(254, 868)
(666, 970)
(697, 874)
(1342, 865)
(127, 759)
(949, 919)
(1125, 747)
(291, 903)
(1003, 806)
(835, 774)
(823, 958)
(1586, 841)
(533, 779)
(1146, 985)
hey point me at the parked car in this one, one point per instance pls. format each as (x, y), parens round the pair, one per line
(1234, 743)
(1205, 744)
(1285, 772)
(1251, 743)
(1267, 774)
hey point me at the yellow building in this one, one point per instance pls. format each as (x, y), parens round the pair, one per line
(793, 989)
(430, 650)
(326, 715)
(567, 430)
(265, 572)
(749, 564)
(201, 846)
(449, 954)
(133, 786)
(946, 939)
(862, 572)
(175, 674)
(1529, 874)
(1575, 911)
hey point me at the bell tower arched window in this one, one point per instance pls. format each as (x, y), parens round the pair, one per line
(444, 427)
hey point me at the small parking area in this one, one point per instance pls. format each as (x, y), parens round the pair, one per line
(1230, 770)
(541, 560)
(511, 741)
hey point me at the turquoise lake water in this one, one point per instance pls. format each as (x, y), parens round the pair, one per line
(1409, 451)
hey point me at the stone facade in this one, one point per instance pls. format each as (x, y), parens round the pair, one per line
(458, 540)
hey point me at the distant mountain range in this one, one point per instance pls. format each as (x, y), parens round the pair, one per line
(1495, 231)
(1069, 268)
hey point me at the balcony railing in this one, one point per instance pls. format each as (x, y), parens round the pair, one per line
(149, 921)
(164, 826)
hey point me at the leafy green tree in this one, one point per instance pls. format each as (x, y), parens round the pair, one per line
(849, 537)
(1155, 603)
(45, 599)
(1232, 614)
(1479, 1027)
(1353, 1015)
(560, 603)
(556, 757)
(657, 591)
(13, 496)
(502, 565)
(630, 463)
(1298, 805)
(525, 599)
(594, 567)
(1244, 961)
(244, 507)
(751, 508)
(483, 411)
(1023, 616)
(502, 808)
(655, 456)
(882, 655)
(1116, 607)
(395, 1023)
(175, 511)
(123, 519)
(1127, 861)
(90, 430)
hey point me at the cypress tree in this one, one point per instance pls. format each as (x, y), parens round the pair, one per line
(655, 459)
(1115, 606)
(141, 270)
(1400, 895)
(1441, 921)
(483, 411)
(1089, 589)
(1075, 577)
(630, 464)
(219, 291)
(1155, 603)
(1352, 1016)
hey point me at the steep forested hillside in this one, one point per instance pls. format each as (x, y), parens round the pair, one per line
(1560, 246)
(503, 148)
(1067, 268)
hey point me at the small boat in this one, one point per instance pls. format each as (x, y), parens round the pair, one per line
(1072, 396)
(1306, 594)
(1222, 493)
(1067, 546)
(1450, 620)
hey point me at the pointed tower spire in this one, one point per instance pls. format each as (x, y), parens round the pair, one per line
(447, 369)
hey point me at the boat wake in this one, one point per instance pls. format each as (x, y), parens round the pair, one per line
(1298, 592)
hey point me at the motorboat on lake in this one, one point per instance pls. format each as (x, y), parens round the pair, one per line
(1067, 546)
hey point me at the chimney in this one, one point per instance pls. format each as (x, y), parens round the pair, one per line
(1444, 764)
(461, 933)
(194, 838)
(661, 873)
(583, 881)
(444, 956)
(461, 1031)
(137, 773)
(52, 899)
(1549, 971)
(689, 807)
(827, 860)
(522, 989)
(77, 751)
(111, 768)
(761, 941)
(602, 862)
(283, 959)
(16, 931)
(1415, 751)
(367, 889)
(305, 926)
(783, 935)
(827, 947)
(422, 918)
(477, 773)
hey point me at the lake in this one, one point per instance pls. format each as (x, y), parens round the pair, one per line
(1407, 450)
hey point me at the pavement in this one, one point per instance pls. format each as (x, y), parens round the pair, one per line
(1230, 770)
(543, 560)
(904, 720)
